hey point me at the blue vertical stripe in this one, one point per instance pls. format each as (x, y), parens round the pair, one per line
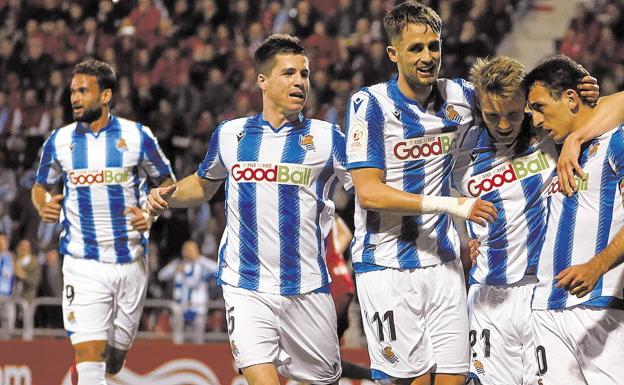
(248, 150)
(373, 225)
(212, 153)
(289, 215)
(326, 173)
(535, 214)
(445, 247)
(497, 242)
(48, 156)
(413, 181)
(116, 200)
(562, 253)
(85, 207)
(150, 150)
(608, 191)
(376, 149)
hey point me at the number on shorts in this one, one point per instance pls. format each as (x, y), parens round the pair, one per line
(542, 366)
(69, 293)
(388, 316)
(485, 335)
(230, 315)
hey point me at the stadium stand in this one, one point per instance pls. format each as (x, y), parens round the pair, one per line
(185, 65)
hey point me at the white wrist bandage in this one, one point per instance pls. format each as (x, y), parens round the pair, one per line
(459, 207)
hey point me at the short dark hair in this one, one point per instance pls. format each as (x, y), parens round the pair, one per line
(410, 12)
(273, 45)
(104, 72)
(556, 74)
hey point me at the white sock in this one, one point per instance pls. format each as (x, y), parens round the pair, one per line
(91, 373)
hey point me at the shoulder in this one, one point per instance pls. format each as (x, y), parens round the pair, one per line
(62, 134)
(457, 90)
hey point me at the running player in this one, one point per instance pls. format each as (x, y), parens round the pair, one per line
(409, 280)
(578, 304)
(509, 163)
(102, 160)
(280, 170)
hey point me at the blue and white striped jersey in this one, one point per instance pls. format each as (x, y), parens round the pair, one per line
(279, 182)
(103, 174)
(581, 226)
(412, 144)
(7, 276)
(513, 179)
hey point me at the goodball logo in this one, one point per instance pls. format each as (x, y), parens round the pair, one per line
(423, 147)
(97, 177)
(283, 173)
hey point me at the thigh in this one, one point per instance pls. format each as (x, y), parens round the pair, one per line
(129, 300)
(599, 335)
(446, 316)
(501, 337)
(252, 326)
(555, 353)
(394, 324)
(87, 299)
(308, 337)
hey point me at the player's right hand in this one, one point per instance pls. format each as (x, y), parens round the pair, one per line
(568, 164)
(50, 212)
(482, 212)
(157, 199)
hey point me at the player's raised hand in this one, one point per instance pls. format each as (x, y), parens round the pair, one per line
(579, 280)
(474, 244)
(588, 89)
(568, 164)
(50, 212)
(482, 212)
(158, 197)
(139, 219)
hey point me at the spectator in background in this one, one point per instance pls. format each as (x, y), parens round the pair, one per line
(27, 271)
(191, 275)
(7, 311)
(8, 190)
(51, 286)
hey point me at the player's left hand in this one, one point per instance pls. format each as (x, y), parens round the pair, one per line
(579, 280)
(139, 219)
(474, 250)
(589, 90)
(568, 164)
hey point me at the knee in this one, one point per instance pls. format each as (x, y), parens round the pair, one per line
(90, 351)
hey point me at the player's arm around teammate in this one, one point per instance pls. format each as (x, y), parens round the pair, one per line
(607, 114)
(374, 194)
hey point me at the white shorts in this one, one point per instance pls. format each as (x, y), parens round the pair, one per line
(103, 301)
(415, 320)
(501, 335)
(581, 345)
(296, 333)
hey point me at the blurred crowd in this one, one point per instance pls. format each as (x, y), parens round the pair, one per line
(595, 37)
(183, 66)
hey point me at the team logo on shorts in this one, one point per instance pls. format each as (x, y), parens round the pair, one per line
(389, 355)
(71, 317)
(307, 142)
(479, 367)
(121, 145)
